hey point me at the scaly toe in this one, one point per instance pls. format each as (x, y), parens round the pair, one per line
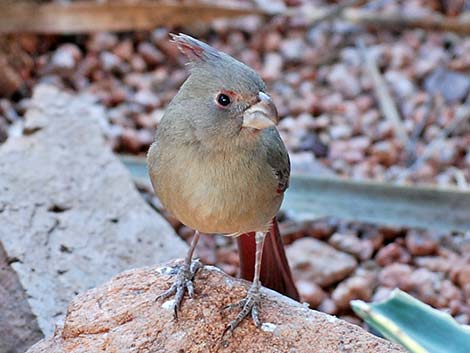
(195, 266)
(255, 314)
(239, 304)
(183, 282)
(250, 304)
(168, 293)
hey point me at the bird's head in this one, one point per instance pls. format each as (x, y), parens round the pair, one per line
(222, 97)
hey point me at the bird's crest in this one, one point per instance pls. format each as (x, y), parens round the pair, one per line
(210, 66)
(195, 50)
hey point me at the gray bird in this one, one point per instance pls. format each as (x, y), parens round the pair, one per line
(219, 165)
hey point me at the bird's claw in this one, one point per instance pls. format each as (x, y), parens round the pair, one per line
(236, 305)
(250, 304)
(184, 282)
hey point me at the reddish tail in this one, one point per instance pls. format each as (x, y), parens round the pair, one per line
(275, 271)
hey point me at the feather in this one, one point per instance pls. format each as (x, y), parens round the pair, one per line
(194, 49)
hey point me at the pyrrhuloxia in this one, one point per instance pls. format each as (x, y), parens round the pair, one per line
(219, 165)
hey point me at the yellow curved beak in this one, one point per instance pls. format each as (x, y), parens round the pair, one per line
(261, 115)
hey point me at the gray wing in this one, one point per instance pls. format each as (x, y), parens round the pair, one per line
(278, 158)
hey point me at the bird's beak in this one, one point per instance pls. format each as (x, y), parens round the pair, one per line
(262, 114)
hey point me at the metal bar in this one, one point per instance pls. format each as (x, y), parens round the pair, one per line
(309, 198)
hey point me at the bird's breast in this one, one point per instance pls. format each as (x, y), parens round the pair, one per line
(216, 192)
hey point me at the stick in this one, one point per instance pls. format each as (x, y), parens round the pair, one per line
(334, 12)
(460, 178)
(90, 16)
(386, 103)
(393, 21)
(417, 131)
(400, 21)
(463, 114)
(87, 16)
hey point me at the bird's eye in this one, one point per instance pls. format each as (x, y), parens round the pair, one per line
(223, 99)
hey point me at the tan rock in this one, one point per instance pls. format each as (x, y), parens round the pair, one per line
(352, 244)
(396, 275)
(356, 287)
(315, 261)
(391, 254)
(123, 316)
(310, 293)
(420, 243)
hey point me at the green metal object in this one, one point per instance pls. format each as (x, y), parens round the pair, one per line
(428, 207)
(415, 325)
(310, 198)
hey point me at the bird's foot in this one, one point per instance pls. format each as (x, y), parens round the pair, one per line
(184, 282)
(250, 304)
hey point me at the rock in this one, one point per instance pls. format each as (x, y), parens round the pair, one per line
(18, 327)
(350, 243)
(356, 287)
(449, 292)
(420, 243)
(311, 142)
(385, 152)
(466, 294)
(401, 85)
(292, 49)
(151, 55)
(352, 150)
(7, 110)
(145, 137)
(381, 294)
(352, 320)
(69, 211)
(3, 130)
(463, 277)
(342, 131)
(305, 162)
(11, 81)
(271, 41)
(395, 275)
(102, 41)
(321, 228)
(110, 61)
(123, 316)
(89, 66)
(433, 263)
(66, 58)
(147, 98)
(343, 81)
(373, 236)
(328, 306)
(463, 319)
(431, 288)
(272, 66)
(391, 253)
(314, 261)
(138, 64)
(130, 140)
(310, 293)
(124, 50)
(402, 55)
(453, 86)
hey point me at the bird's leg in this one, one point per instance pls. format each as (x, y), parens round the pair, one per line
(251, 303)
(184, 277)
